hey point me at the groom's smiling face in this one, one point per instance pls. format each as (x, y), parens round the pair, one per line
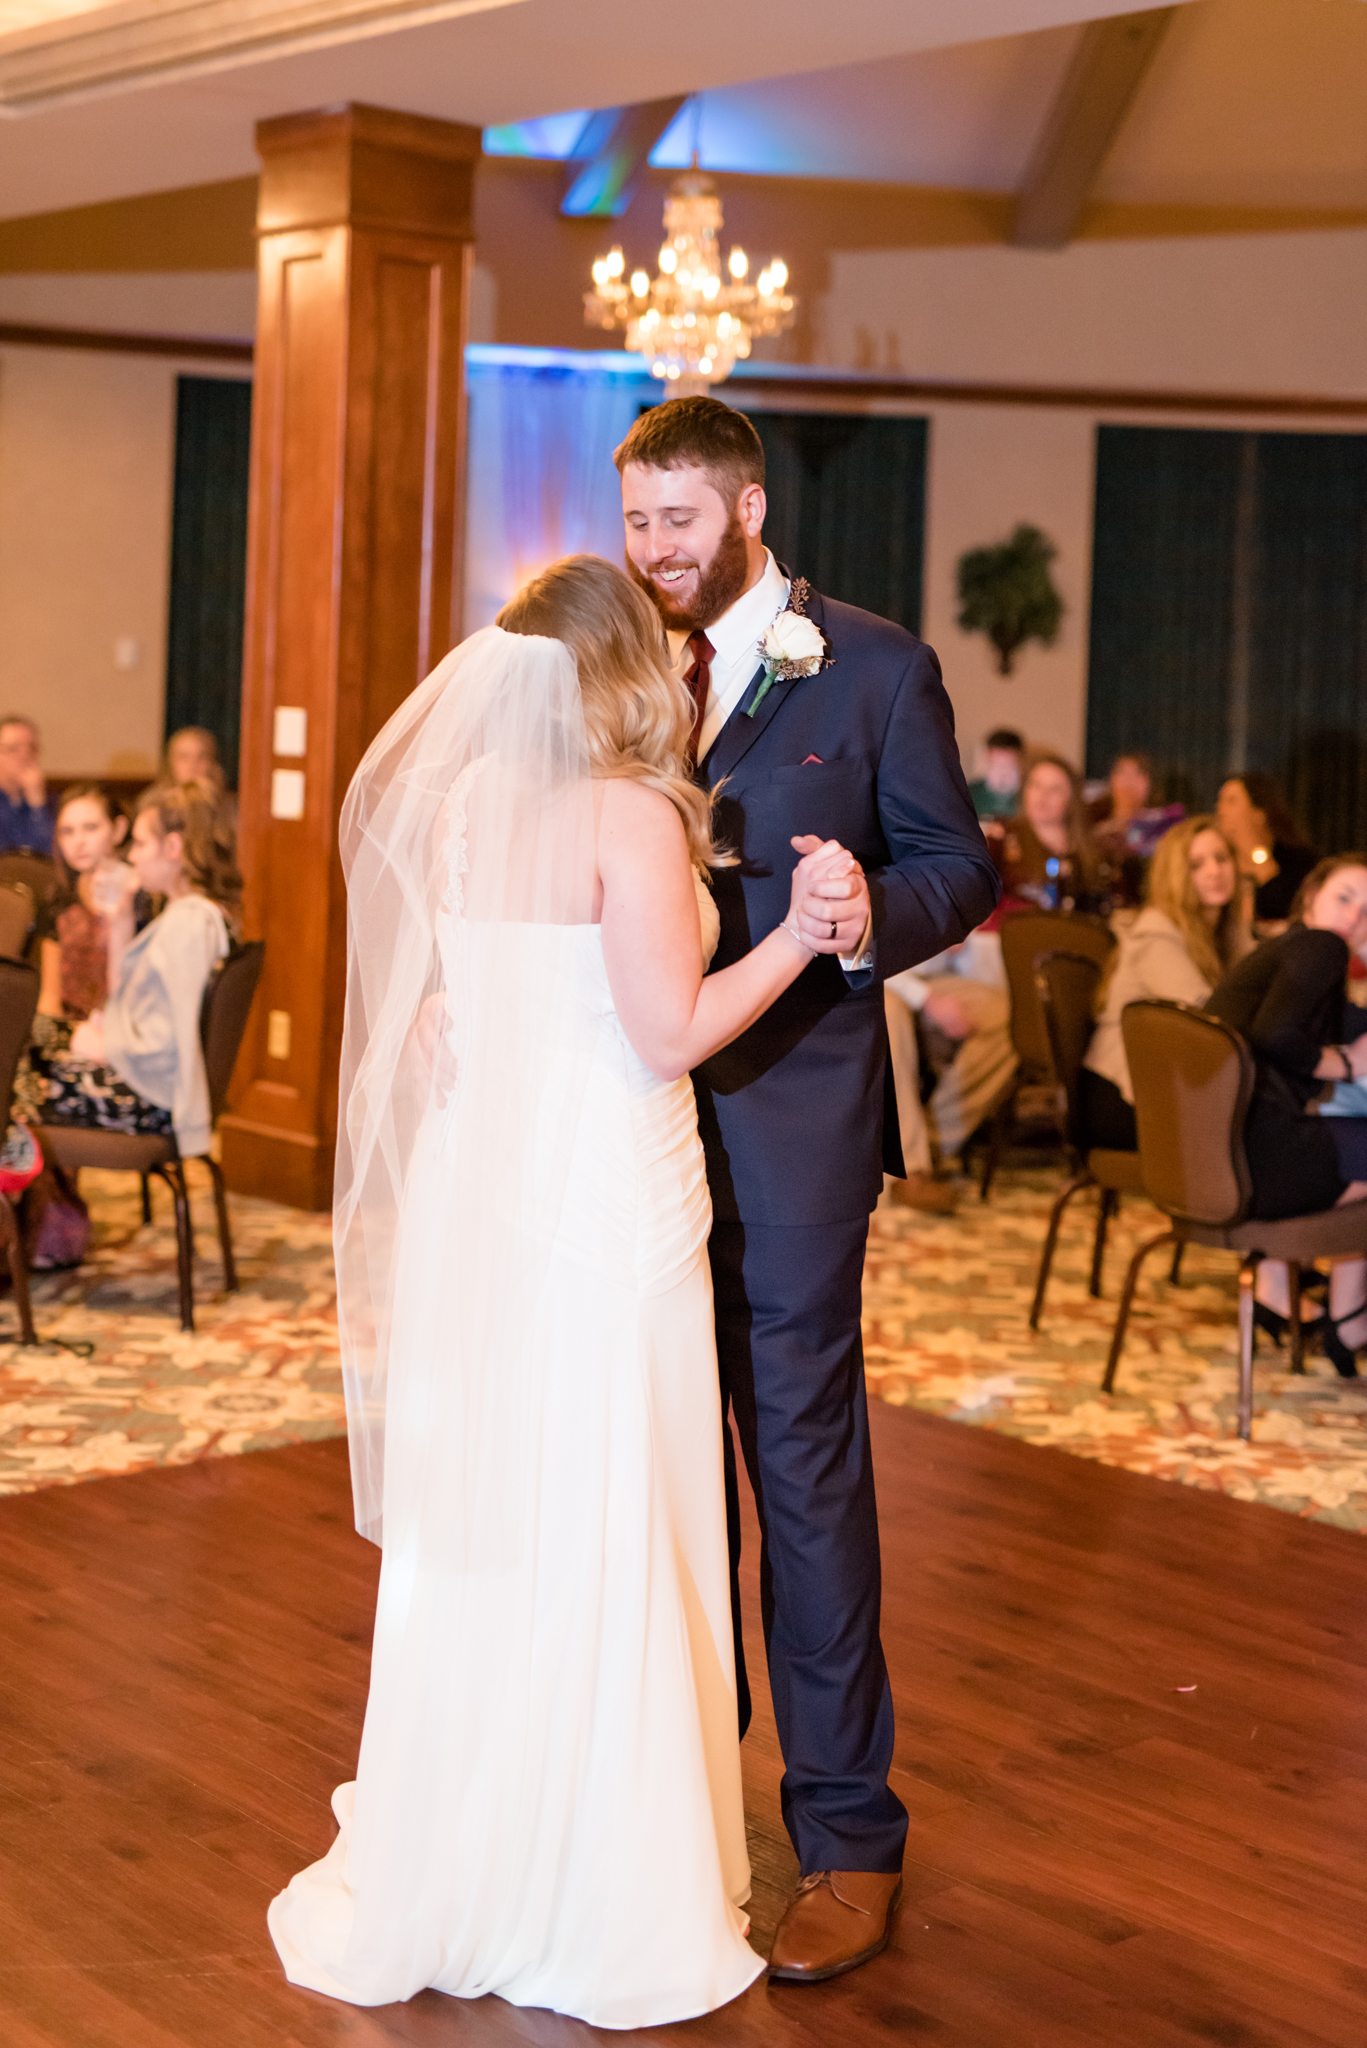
(688, 549)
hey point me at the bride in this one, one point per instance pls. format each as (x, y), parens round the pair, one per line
(548, 1799)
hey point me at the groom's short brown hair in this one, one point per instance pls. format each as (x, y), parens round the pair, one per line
(697, 431)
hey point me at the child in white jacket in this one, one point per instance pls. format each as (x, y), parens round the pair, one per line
(137, 1064)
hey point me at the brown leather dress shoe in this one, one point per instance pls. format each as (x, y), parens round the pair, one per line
(922, 1191)
(837, 1921)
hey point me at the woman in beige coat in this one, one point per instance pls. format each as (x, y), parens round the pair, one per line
(1193, 928)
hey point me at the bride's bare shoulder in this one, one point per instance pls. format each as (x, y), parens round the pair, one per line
(640, 818)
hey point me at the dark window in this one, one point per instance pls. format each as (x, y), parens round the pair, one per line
(847, 506)
(1229, 614)
(209, 560)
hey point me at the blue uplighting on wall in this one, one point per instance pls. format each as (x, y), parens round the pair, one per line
(553, 135)
(728, 132)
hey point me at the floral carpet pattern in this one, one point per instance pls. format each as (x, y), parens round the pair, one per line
(945, 1307)
(260, 1370)
(946, 1301)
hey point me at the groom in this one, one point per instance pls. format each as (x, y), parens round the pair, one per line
(797, 1116)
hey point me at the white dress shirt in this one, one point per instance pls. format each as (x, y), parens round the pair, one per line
(736, 660)
(735, 639)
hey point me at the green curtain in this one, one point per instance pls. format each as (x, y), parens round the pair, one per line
(1162, 571)
(1308, 682)
(847, 506)
(1229, 615)
(209, 560)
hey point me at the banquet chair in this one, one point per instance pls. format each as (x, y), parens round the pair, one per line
(32, 871)
(222, 1023)
(1066, 985)
(1193, 1078)
(1033, 1096)
(18, 1001)
(37, 871)
(17, 919)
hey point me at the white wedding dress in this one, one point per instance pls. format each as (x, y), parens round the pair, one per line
(548, 1800)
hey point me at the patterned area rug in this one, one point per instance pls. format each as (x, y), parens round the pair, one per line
(945, 1308)
(945, 1302)
(260, 1370)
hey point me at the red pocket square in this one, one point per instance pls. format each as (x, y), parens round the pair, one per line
(815, 757)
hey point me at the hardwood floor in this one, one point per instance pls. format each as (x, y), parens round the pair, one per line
(1131, 1739)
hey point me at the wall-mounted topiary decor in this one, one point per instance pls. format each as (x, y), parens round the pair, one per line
(1007, 593)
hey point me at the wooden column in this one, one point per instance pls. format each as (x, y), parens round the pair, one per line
(365, 236)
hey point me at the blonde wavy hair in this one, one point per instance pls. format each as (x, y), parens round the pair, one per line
(192, 810)
(1170, 888)
(637, 713)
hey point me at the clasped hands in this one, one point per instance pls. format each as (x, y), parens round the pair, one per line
(830, 906)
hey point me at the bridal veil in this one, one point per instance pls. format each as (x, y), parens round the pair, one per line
(467, 844)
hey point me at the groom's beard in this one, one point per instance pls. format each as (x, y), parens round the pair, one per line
(719, 584)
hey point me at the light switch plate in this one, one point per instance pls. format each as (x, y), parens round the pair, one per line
(287, 793)
(291, 731)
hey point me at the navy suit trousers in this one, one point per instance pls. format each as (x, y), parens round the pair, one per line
(792, 1375)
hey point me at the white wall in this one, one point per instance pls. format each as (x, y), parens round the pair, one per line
(989, 468)
(86, 454)
(1235, 313)
(87, 447)
(217, 304)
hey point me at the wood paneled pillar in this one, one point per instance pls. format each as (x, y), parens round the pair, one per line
(365, 235)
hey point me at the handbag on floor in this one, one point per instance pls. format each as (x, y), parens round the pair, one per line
(54, 1222)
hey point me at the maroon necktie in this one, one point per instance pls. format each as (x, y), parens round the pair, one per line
(698, 677)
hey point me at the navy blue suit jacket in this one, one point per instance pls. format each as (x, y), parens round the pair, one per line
(797, 1116)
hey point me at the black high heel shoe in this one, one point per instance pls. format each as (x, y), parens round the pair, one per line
(1269, 1322)
(1274, 1326)
(1340, 1355)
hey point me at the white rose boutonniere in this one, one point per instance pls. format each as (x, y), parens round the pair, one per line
(793, 642)
(793, 647)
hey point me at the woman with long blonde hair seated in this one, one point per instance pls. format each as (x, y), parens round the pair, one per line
(547, 1803)
(1193, 928)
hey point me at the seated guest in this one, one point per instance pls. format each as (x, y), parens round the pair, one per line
(25, 814)
(960, 999)
(1124, 815)
(73, 928)
(137, 1065)
(1274, 855)
(1288, 999)
(1046, 855)
(191, 755)
(1192, 930)
(996, 791)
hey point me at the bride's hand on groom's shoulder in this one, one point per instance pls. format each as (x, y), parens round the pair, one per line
(830, 902)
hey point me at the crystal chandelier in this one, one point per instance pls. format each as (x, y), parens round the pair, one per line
(691, 327)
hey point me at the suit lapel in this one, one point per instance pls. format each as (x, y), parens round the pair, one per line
(741, 730)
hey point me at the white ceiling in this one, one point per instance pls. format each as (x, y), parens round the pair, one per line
(530, 58)
(1249, 103)
(966, 116)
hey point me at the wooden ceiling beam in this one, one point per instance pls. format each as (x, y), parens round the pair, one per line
(616, 143)
(1096, 94)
